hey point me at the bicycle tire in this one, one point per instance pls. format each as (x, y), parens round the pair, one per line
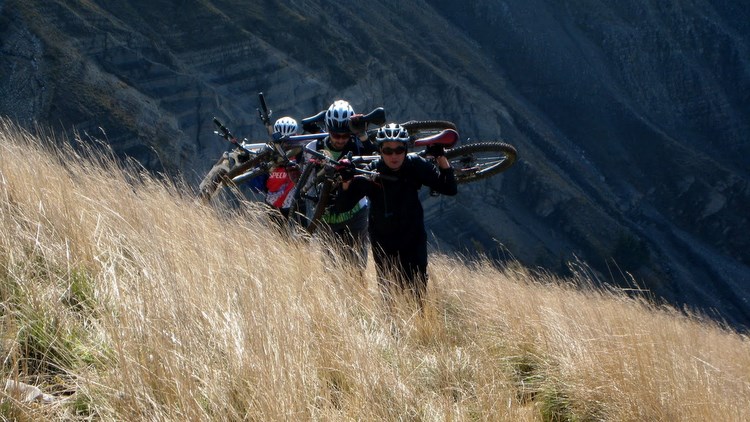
(481, 160)
(320, 208)
(221, 174)
(296, 210)
(422, 128)
(213, 180)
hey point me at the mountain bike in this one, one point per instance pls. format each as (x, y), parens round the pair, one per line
(320, 178)
(248, 160)
(317, 178)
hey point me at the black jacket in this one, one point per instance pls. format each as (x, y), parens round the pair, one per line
(354, 145)
(396, 214)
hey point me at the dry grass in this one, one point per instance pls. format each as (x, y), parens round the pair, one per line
(126, 300)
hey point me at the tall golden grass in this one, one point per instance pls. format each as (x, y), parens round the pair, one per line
(125, 299)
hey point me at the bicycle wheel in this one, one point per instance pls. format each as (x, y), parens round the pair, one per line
(478, 161)
(324, 196)
(423, 128)
(303, 197)
(212, 180)
(229, 166)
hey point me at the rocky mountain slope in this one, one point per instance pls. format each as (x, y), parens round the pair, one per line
(630, 118)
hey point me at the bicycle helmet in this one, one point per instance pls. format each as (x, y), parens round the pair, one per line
(392, 132)
(337, 117)
(286, 126)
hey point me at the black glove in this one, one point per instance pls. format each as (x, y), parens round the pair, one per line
(356, 124)
(311, 128)
(293, 170)
(435, 150)
(345, 169)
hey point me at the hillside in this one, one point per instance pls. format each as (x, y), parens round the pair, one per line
(121, 299)
(630, 119)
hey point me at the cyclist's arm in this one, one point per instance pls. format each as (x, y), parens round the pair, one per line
(258, 183)
(351, 192)
(439, 177)
(443, 162)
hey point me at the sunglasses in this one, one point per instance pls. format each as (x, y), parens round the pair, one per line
(339, 135)
(391, 151)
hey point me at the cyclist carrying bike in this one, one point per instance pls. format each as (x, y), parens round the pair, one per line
(346, 133)
(396, 216)
(279, 184)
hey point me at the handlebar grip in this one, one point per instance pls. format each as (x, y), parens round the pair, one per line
(311, 128)
(263, 105)
(222, 128)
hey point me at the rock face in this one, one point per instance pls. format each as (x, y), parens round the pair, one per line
(630, 117)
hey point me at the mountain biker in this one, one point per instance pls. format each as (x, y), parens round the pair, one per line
(396, 218)
(279, 184)
(346, 133)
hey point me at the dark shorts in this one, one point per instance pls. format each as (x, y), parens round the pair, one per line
(404, 267)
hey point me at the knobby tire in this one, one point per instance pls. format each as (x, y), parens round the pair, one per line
(212, 180)
(320, 207)
(221, 174)
(297, 211)
(425, 125)
(422, 128)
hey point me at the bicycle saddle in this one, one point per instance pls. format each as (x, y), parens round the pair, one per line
(447, 138)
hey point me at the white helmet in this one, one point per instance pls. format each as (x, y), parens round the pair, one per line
(337, 117)
(392, 132)
(286, 126)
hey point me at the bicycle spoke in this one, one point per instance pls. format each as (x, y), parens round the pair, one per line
(477, 161)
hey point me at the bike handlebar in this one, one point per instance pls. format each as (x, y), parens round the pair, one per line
(376, 117)
(265, 114)
(226, 134)
(330, 162)
(312, 123)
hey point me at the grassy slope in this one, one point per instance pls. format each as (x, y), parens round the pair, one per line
(125, 300)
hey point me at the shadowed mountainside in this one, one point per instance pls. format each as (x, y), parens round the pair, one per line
(630, 119)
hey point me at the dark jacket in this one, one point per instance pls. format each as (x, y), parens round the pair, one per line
(355, 146)
(396, 214)
(336, 216)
